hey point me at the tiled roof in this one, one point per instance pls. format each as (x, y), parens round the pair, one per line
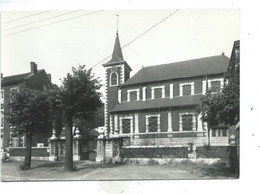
(15, 79)
(184, 69)
(178, 101)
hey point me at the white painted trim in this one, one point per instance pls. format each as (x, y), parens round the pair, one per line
(170, 121)
(204, 87)
(111, 124)
(221, 80)
(144, 93)
(110, 82)
(122, 74)
(157, 87)
(158, 122)
(121, 123)
(116, 124)
(194, 123)
(171, 90)
(133, 90)
(187, 83)
(119, 96)
(136, 123)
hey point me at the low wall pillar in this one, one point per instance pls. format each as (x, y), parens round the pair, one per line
(77, 146)
(53, 147)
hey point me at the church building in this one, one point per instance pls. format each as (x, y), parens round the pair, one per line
(157, 105)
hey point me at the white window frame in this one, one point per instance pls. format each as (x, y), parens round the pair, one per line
(204, 84)
(194, 120)
(2, 96)
(131, 124)
(156, 87)
(187, 83)
(221, 80)
(147, 122)
(133, 90)
(116, 79)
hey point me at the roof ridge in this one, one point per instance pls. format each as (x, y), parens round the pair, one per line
(172, 63)
(16, 75)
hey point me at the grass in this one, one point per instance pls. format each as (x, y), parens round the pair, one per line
(213, 170)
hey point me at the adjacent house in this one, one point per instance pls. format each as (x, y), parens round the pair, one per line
(157, 106)
(35, 79)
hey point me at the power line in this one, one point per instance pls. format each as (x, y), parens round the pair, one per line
(40, 20)
(138, 36)
(52, 23)
(25, 17)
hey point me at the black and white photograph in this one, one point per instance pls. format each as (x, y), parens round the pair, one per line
(120, 95)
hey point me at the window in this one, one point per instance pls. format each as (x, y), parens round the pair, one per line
(2, 96)
(186, 89)
(153, 123)
(133, 95)
(113, 79)
(219, 133)
(158, 92)
(13, 91)
(126, 125)
(215, 86)
(187, 121)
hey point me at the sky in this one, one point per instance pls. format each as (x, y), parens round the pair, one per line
(199, 29)
(60, 40)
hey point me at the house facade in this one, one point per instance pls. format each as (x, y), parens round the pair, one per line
(157, 106)
(35, 79)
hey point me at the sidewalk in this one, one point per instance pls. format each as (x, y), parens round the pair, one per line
(87, 170)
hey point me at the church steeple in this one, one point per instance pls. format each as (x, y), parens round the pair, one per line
(117, 55)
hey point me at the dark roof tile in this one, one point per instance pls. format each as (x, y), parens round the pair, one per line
(184, 69)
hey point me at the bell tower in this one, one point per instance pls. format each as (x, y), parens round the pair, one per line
(117, 72)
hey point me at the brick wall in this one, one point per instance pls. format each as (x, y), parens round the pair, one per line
(170, 141)
(38, 152)
(155, 152)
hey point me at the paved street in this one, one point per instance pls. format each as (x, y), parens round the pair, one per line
(87, 170)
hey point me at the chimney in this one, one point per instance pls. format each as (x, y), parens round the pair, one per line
(33, 68)
(49, 76)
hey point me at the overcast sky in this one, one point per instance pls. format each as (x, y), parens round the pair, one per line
(59, 40)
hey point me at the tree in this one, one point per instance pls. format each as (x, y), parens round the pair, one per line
(80, 98)
(30, 114)
(223, 107)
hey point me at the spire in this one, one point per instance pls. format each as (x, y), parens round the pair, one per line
(117, 55)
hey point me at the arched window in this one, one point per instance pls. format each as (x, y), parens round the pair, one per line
(113, 79)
